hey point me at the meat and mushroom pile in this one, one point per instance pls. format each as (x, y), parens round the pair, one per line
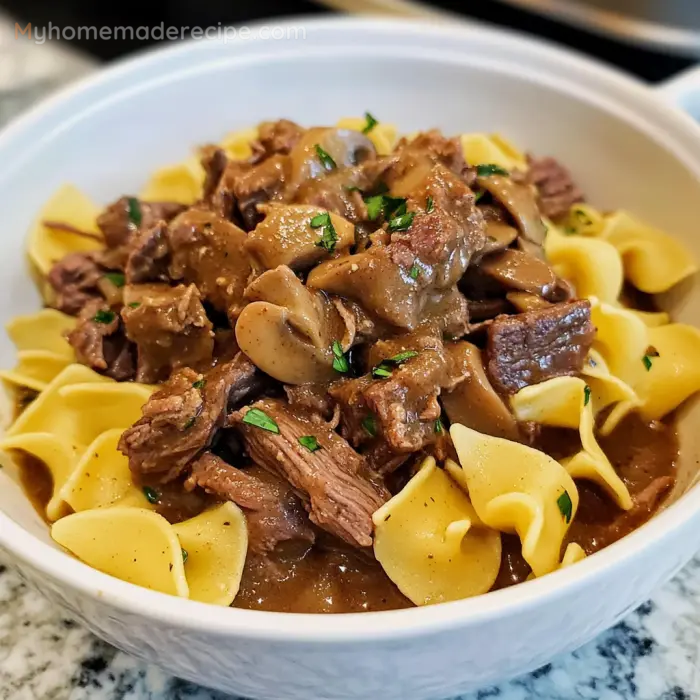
(315, 322)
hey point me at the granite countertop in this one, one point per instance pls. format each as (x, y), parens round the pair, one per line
(44, 655)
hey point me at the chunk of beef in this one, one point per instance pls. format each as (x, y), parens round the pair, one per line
(149, 256)
(254, 185)
(333, 481)
(169, 327)
(213, 161)
(222, 173)
(556, 188)
(99, 342)
(273, 513)
(75, 281)
(207, 251)
(310, 397)
(537, 345)
(181, 419)
(278, 137)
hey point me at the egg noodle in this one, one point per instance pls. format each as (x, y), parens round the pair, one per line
(439, 538)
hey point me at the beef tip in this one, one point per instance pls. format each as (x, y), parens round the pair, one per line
(537, 345)
(273, 513)
(310, 397)
(149, 256)
(207, 251)
(213, 161)
(99, 342)
(402, 408)
(181, 419)
(75, 281)
(169, 327)
(251, 186)
(332, 482)
(279, 137)
(557, 191)
(122, 220)
(223, 200)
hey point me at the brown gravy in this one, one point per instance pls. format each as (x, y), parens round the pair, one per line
(328, 579)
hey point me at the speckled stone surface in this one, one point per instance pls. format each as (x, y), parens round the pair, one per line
(653, 655)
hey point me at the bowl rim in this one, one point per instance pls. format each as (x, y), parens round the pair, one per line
(351, 628)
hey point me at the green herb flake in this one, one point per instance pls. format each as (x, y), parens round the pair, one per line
(190, 422)
(329, 237)
(340, 360)
(381, 371)
(583, 217)
(429, 204)
(401, 357)
(375, 206)
(647, 362)
(489, 169)
(566, 507)
(586, 395)
(478, 195)
(439, 427)
(134, 211)
(116, 278)
(199, 384)
(260, 419)
(309, 442)
(401, 222)
(569, 230)
(414, 272)
(134, 304)
(103, 316)
(326, 161)
(370, 123)
(185, 555)
(150, 494)
(370, 425)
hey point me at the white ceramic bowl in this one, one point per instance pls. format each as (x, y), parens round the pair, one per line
(628, 146)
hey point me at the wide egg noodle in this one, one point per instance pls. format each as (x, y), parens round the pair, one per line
(592, 265)
(584, 220)
(132, 544)
(481, 149)
(216, 542)
(654, 261)
(35, 369)
(573, 554)
(236, 144)
(515, 488)
(181, 182)
(562, 402)
(102, 477)
(44, 330)
(382, 135)
(70, 206)
(430, 542)
(673, 374)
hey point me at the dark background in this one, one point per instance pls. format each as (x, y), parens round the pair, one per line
(653, 66)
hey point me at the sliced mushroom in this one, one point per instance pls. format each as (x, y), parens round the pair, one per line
(520, 271)
(288, 331)
(498, 237)
(285, 237)
(474, 402)
(525, 301)
(344, 146)
(519, 200)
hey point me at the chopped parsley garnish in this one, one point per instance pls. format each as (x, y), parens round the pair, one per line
(190, 422)
(309, 442)
(381, 371)
(439, 428)
(583, 217)
(370, 425)
(586, 395)
(370, 123)
(414, 272)
(379, 204)
(326, 161)
(103, 316)
(488, 169)
(328, 235)
(150, 494)
(478, 195)
(134, 211)
(199, 384)
(134, 304)
(340, 360)
(429, 204)
(260, 419)
(402, 222)
(375, 205)
(116, 278)
(647, 361)
(185, 555)
(402, 357)
(566, 507)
